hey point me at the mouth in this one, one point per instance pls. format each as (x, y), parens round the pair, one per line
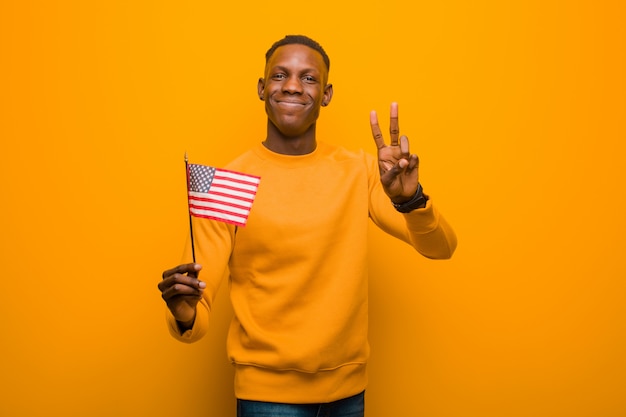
(289, 103)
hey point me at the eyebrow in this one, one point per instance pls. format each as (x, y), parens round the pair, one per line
(285, 69)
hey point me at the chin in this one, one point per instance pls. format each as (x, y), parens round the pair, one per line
(292, 128)
(291, 133)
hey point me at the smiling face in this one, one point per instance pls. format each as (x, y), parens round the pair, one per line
(293, 89)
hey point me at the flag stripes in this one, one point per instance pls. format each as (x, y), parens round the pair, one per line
(220, 194)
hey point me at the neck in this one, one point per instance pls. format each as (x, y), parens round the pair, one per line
(280, 143)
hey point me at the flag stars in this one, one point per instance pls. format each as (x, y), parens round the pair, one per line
(201, 177)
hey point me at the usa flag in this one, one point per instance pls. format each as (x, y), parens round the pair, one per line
(221, 194)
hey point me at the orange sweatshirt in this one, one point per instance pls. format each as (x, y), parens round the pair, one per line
(298, 272)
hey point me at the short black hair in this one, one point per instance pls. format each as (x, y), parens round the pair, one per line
(301, 40)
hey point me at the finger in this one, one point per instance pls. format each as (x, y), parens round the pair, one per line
(394, 125)
(404, 146)
(413, 159)
(191, 268)
(376, 133)
(414, 162)
(183, 279)
(389, 176)
(180, 290)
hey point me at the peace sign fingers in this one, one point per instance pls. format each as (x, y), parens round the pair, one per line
(394, 127)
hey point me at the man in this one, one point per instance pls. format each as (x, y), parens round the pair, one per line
(298, 270)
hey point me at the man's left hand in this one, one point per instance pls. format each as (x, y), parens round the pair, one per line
(398, 167)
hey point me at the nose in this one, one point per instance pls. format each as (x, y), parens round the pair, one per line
(292, 85)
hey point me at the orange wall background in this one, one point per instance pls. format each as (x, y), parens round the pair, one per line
(515, 108)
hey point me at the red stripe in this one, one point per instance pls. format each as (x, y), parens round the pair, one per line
(191, 204)
(219, 177)
(232, 213)
(234, 197)
(232, 187)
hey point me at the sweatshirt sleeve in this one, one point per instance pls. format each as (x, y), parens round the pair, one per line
(213, 242)
(430, 233)
(199, 328)
(425, 229)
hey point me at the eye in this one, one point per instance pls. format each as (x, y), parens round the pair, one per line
(309, 79)
(278, 76)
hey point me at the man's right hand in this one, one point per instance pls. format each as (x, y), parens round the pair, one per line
(181, 290)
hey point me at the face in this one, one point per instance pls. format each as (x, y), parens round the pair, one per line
(294, 88)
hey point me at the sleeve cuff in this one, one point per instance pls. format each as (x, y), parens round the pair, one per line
(422, 220)
(199, 326)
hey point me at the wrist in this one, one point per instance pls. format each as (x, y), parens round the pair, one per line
(418, 200)
(183, 326)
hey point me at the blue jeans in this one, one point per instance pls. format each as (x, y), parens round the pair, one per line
(348, 407)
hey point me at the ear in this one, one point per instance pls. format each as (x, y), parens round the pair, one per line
(328, 95)
(261, 88)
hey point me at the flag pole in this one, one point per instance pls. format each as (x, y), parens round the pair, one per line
(193, 249)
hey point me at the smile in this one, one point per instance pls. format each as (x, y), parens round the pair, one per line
(290, 103)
